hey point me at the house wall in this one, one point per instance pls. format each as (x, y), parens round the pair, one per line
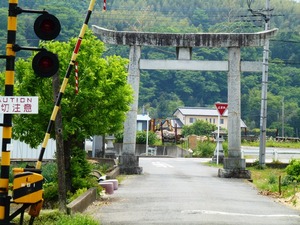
(180, 116)
(188, 120)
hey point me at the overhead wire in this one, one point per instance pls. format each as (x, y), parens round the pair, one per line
(163, 15)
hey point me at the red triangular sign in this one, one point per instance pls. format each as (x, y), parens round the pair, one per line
(221, 107)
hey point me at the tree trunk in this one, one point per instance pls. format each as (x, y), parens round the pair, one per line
(103, 145)
(60, 157)
(69, 144)
(67, 152)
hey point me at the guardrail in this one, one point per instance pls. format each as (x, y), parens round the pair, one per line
(273, 152)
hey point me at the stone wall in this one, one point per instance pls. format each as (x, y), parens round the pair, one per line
(170, 150)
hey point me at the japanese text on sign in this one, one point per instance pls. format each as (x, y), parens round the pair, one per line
(19, 105)
(221, 107)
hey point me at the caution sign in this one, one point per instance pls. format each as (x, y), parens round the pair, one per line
(19, 105)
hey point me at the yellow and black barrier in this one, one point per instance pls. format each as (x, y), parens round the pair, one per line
(27, 188)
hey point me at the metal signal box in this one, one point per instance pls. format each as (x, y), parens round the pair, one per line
(27, 187)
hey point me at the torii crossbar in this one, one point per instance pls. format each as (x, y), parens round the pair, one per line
(234, 165)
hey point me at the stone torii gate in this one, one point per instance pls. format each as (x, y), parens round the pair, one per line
(234, 165)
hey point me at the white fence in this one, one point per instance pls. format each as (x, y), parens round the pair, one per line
(276, 154)
(21, 151)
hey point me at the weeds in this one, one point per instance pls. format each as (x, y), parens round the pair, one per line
(204, 149)
(49, 217)
(274, 181)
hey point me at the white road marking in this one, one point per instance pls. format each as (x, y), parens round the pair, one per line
(234, 214)
(160, 164)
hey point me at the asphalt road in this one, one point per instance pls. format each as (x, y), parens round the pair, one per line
(184, 191)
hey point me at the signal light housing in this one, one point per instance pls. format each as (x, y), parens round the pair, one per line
(45, 64)
(47, 27)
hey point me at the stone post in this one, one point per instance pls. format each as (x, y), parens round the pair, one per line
(219, 152)
(129, 162)
(234, 165)
(110, 150)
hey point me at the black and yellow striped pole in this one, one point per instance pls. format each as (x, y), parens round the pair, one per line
(64, 84)
(7, 121)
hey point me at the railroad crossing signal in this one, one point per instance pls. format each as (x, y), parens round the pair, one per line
(45, 64)
(27, 182)
(46, 27)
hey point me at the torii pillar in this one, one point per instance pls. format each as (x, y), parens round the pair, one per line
(234, 165)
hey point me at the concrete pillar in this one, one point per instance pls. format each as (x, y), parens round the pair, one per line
(97, 146)
(129, 162)
(234, 165)
(234, 103)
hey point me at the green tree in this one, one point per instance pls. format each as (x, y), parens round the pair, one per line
(168, 102)
(200, 127)
(99, 108)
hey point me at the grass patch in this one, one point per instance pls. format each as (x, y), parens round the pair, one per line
(121, 177)
(270, 181)
(213, 164)
(50, 217)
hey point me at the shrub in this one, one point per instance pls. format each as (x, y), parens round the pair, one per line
(72, 197)
(119, 137)
(272, 179)
(225, 148)
(50, 195)
(287, 180)
(80, 170)
(49, 172)
(101, 167)
(199, 127)
(204, 149)
(141, 137)
(293, 169)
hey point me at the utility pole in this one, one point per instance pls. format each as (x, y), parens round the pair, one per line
(263, 113)
(263, 117)
(282, 118)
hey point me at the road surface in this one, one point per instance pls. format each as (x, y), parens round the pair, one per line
(185, 191)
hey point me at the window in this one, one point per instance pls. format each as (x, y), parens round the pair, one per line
(192, 120)
(221, 121)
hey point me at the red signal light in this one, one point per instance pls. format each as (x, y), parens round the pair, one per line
(45, 64)
(47, 27)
